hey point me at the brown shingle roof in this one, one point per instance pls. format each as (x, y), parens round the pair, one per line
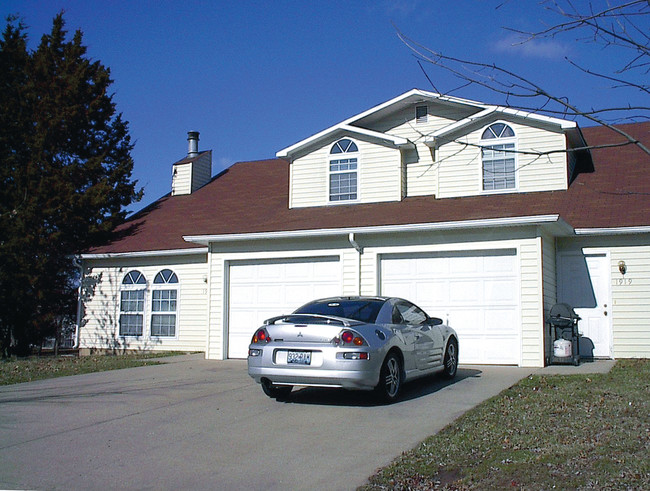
(253, 197)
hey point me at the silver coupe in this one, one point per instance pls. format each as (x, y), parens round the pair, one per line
(366, 343)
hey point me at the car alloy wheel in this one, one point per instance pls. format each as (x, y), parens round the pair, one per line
(390, 378)
(451, 359)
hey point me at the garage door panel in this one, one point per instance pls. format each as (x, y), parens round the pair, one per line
(499, 290)
(464, 292)
(476, 292)
(259, 290)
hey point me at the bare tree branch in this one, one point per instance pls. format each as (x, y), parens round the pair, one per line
(613, 26)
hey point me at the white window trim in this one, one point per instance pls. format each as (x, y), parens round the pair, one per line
(164, 286)
(498, 141)
(134, 287)
(339, 156)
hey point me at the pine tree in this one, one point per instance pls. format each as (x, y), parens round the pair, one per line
(65, 176)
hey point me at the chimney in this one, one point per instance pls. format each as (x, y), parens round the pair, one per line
(194, 171)
(192, 143)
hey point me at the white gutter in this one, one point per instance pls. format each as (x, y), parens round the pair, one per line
(168, 252)
(384, 229)
(354, 243)
(613, 230)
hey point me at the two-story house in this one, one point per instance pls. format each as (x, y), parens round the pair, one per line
(482, 215)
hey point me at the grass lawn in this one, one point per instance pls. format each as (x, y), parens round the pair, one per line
(14, 371)
(563, 432)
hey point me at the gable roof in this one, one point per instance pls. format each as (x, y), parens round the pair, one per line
(415, 96)
(253, 197)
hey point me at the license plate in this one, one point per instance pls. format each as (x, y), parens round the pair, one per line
(299, 357)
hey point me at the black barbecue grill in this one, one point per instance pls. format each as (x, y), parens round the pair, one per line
(564, 339)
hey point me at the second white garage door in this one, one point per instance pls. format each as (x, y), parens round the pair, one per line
(476, 293)
(263, 289)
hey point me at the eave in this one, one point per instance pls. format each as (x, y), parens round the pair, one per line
(554, 223)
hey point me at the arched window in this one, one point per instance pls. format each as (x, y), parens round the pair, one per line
(132, 293)
(164, 304)
(498, 157)
(343, 170)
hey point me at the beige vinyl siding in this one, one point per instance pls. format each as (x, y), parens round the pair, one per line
(421, 171)
(532, 303)
(421, 168)
(101, 304)
(202, 171)
(217, 303)
(541, 173)
(549, 271)
(379, 175)
(460, 166)
(182, 179)
(350, 276)
(631, 302)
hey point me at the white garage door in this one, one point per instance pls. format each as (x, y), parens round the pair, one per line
(263, 289)
(476, 293)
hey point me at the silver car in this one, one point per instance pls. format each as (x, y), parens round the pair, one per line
(365, 343)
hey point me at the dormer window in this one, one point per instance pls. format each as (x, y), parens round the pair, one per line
(343, 167)
(498, 157)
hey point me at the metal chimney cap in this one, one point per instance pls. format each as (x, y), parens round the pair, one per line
(193, 143)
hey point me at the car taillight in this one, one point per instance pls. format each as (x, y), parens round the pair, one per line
(349, 337)
(261, 336)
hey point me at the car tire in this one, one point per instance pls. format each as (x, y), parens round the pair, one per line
(275, 391)
(390, 379)
(451, 359)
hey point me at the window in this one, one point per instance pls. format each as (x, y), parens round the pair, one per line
(411, 314)
(421, 114)
(132, 292)
(163, 304)
(498, 157)
(343, 171)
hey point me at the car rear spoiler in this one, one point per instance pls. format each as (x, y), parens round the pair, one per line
(331, 319)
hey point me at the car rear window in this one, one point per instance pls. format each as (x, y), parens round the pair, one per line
(361, 310)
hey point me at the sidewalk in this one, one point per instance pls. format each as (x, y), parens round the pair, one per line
(585, 367)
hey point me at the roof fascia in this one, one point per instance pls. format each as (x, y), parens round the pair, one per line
(558, 225)
(167, 252)
(613, 231)
(562, 123)
(393, 140)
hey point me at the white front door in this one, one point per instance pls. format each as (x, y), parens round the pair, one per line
(584, 283)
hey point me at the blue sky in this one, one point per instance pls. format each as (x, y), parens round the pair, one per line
(257, 76)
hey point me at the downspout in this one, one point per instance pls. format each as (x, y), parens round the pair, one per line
(78, 263)
(359, 249)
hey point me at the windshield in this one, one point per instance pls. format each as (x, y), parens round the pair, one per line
(364, 310)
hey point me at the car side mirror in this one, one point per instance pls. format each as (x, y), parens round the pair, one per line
(435, 321)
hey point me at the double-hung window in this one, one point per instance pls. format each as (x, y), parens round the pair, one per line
(132, 294)
(164, 304)
(498, 157)
(343, 170)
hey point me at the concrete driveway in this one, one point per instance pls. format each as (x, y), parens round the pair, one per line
(197, 424)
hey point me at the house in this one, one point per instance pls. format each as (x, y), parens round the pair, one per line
(484, 216)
